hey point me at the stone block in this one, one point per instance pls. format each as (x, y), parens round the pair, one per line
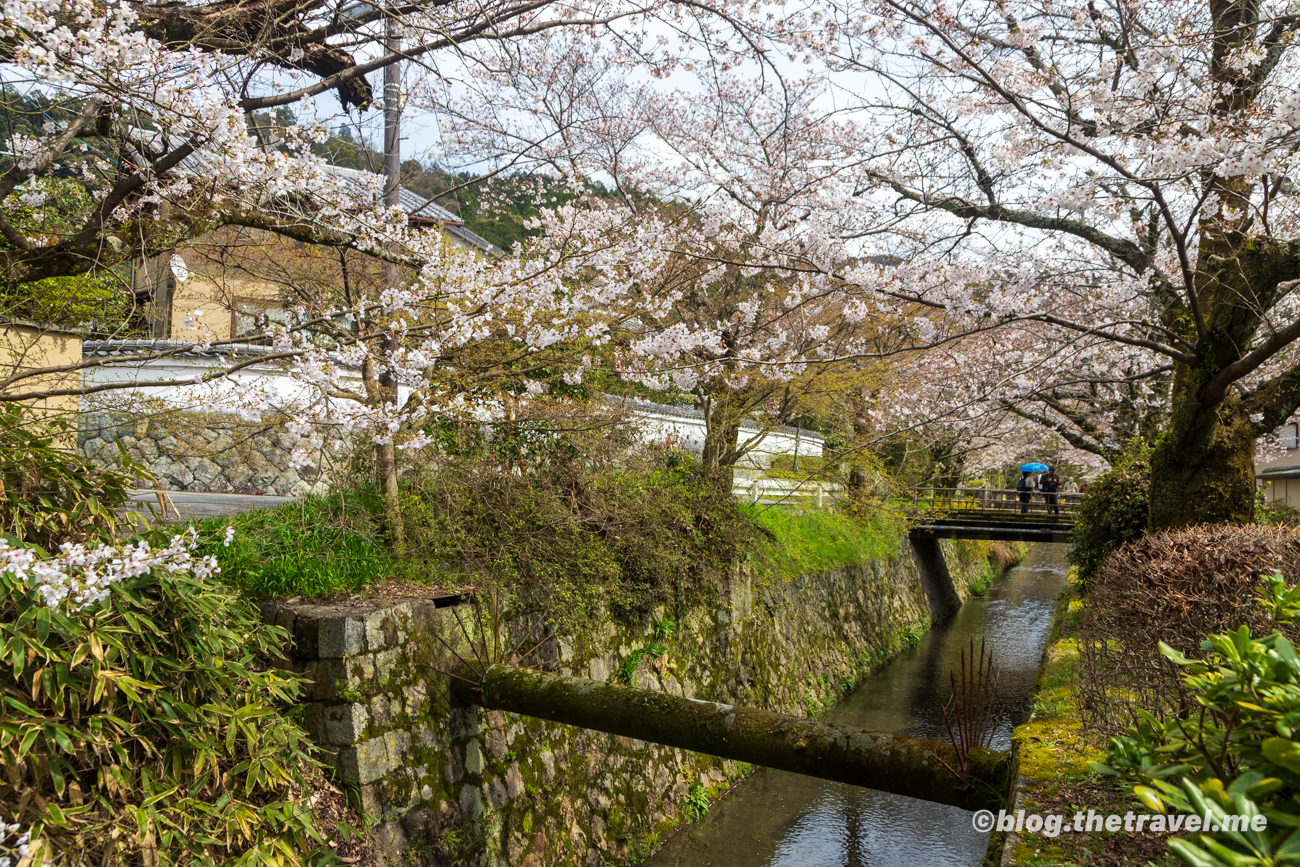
(471, 802)
(474, 763)
(328, 677)
(366, 762)
(205, 471)
(497, 795)
(381, 710)
(239, 474)
(414, 698)
(180, 476)
(343, 724)
(417, 823)
(296, 489)
(337, 636)
(495, 740)
(391, 839)
(398, 745)
(382, 628)
(514, 782)
(548, 765)
(371, 805)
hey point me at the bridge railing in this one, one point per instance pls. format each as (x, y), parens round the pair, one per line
(994, 500)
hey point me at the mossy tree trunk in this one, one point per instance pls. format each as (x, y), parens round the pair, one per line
(875, 760)
(722, 436)
(1202, 467)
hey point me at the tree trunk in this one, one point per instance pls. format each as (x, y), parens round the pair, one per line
(1203, 467)
(386, 475)
(721, 439)
(876, 760)
(386, 461)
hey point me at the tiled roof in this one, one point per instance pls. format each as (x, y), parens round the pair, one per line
(420, 208)
(411, 202)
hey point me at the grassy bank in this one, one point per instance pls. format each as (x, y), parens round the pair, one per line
(796, 543)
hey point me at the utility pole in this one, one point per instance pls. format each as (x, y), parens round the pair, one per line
(385, 453)
(392, 129)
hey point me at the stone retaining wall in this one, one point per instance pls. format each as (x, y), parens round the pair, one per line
(206, 452)
(457, 785)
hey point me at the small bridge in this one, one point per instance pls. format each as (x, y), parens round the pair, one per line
(993, 514)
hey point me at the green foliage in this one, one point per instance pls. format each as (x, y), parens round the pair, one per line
(813, 541)
(313, 548)
(1276, 512)
(910, 636)
(1113, 511)
(697, 802)
(86, 300)
(49, 493)
(1236, 754)
(664, 629)
(147, 730)
(627, 669)
(95, 298)
(623, 536)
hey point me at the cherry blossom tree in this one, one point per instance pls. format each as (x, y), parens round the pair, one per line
(745, 176)
(156, 118)
(154, 113)
(1108, 188)
(1121, 175)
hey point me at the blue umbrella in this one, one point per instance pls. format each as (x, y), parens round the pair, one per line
(1034, 468)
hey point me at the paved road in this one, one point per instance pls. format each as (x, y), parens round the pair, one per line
(200, 506)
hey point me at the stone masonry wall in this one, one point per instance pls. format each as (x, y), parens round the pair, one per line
(456, 785)
(206, 452)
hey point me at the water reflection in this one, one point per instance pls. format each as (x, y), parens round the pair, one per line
(777, 819)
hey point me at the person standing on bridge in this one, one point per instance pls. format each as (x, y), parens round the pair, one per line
(1051, 485)
(1068, 487)
(1026, 490)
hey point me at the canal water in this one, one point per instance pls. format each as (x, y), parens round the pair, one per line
(778, 819)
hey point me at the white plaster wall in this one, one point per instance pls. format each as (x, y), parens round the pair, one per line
(269, 384)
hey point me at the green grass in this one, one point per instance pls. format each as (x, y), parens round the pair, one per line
(314, 548)
(817, 541)
(300, 549)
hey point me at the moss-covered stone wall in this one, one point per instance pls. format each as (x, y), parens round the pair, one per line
(457, 785)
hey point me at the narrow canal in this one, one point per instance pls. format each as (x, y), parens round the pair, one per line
(778, 819)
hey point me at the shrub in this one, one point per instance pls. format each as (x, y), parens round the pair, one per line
(1237, 754)
(49, 494)
(144, 727)
(1113, 511)
(1174, 587)
(627, 538)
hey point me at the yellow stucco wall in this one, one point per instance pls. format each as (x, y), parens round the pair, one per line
(28, 347)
